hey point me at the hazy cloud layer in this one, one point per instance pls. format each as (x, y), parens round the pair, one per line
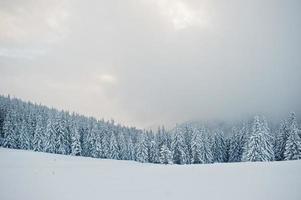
(150, 62)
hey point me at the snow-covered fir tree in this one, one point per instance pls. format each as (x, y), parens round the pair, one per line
(3, 111)
(38, 138)
(24, 140)
(84, 132)
(153, 152)
(142, 149)
(165, 155)
(178, 147)
(259, 146)
(113, 151)
(75, 141)
(188, 137)
(219, 147)
(237, 144)
(10, 128)
(201, 147)
(50, 135)
(282, 136)
(106, 143)
(293, 144)
(122, 147)
(94, 141)
(62, 133)
(130, 150)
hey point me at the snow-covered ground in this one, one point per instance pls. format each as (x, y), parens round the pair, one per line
(40, 176)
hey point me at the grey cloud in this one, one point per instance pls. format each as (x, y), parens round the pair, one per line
(245, 59)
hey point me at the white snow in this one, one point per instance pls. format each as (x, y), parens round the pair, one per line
(40, 176)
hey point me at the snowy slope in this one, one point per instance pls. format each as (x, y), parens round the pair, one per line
(40, 176)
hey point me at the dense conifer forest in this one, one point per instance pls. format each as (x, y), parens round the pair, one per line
(25, 125)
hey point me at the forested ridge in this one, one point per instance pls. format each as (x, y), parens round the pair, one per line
(29, 126)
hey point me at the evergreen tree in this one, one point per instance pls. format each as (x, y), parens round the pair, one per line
(259, 146)
(24, 141)
(75, 141)
(61, 132)
(30, 124)
(159, 138)
(84, 132)
(293, 144)
(153, 152)
(237, 144)
(201, 147)
(10, 130)
(282, 136)
(113, 152)
(50, 136)
(3, 110)
(141, 149)
(178, 147)
(219, 147)
(39, 135)
(106, 142)
(130, 150)
(188, 143)
(92, 140)
(165, 155)
(122, 147)
(196, 146)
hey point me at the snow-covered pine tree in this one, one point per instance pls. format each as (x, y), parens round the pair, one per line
(105, 143)
(98, 146)
(237, 144)
(84, 132)
(152, 147)
(206, 155)
(219, 147)
(24, 141)
(130, 151)
(159, 138)
(30, 123)
(122, 146)
(283, 134)
(196, 146)
(39, 135)
(10, 130)
(61, 134)
(114, 151)
(178, 147)
(165, 155)
(153, 152)
(75, 141)
(142, 149)
(187, 133)
(259, 146)
(227, 144)
(281, 138)
(93, 147)
(201, 148)
(293, 144)
(162, 137)
(50, 135)
(235, 147)
(3, 110)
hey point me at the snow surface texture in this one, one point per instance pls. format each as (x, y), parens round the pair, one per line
(36, 176)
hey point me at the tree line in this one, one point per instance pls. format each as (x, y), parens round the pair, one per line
(29, 126)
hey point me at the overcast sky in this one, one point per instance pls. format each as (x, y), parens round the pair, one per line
(151, 62)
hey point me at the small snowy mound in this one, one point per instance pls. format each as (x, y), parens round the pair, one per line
(36, 176)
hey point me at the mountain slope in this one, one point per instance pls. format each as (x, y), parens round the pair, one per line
(35, 176)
